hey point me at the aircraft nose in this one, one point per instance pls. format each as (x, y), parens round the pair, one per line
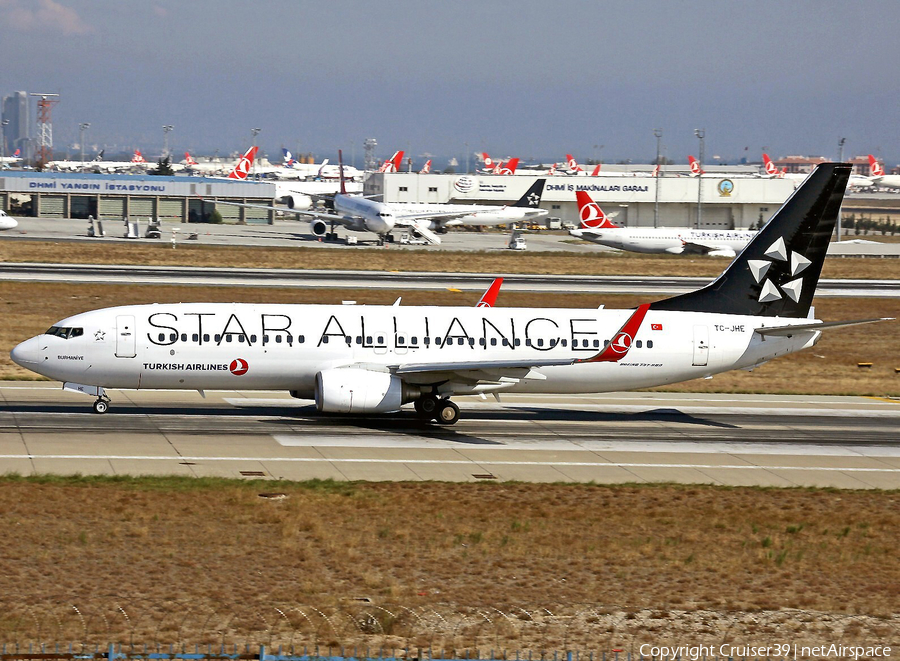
(28, 353)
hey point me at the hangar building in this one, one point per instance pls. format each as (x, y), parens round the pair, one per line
(113, 197)
(728, 201)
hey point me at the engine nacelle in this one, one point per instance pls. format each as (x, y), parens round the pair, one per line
(354, 390)
(297, 201)
(318, 227)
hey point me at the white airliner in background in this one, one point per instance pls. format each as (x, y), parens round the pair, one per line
(879, 178)
(7, 222)
(374, 359)
(596, 227)
(361, 214)
(137, 162)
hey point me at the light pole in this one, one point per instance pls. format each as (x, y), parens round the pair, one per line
(700, 133)
(658, 134)
(84, 126)
(253, 134)
(841, 142)
(166, 129)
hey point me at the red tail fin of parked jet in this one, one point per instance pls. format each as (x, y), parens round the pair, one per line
(188, 159)
(771, 168)
(242, 168)
(138, 157)
(509, 167)
(596, 171)
(695, 166)
(426, 169)
(592, 216)
(488, 161)
(393, 163)
(573, 164)
(876, 169)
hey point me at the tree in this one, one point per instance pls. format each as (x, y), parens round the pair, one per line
(163, 168)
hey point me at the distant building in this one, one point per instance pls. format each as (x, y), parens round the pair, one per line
(16, 133)
(799, 164)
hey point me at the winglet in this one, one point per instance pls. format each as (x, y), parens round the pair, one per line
(490, 296)
(621, 342)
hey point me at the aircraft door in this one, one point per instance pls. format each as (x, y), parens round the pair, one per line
(701, 345)
(125, 337)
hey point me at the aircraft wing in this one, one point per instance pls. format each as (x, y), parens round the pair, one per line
(514, 370)
(330, 217)
(701, 248)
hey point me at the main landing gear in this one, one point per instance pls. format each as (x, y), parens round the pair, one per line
(442, 411)
(101, 405)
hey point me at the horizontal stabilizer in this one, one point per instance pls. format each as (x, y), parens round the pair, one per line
(787, 331)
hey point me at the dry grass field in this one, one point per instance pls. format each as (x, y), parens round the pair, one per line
(828, 368)
(399, 259)
(445, 565)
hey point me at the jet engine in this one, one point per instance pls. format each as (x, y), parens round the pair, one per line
(318, 227)
(354, 390)
(297, 201)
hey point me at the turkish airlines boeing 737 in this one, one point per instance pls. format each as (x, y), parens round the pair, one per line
(374, 359)
(596, 227)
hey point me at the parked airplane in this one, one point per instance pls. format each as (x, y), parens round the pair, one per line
(137, 162)
(361, 214)
(7, 222)
(526, 208)
(426, 169)
(494, 167)
(879, 178)
(596, 227)
(374, 359)
(6, 161)
(696, 171)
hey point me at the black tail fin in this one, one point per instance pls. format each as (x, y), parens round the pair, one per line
(776, 274)
(532, 197)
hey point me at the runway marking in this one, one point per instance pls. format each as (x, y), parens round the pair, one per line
(403, 442)
(464, 462)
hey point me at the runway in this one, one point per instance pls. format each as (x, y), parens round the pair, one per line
(766, 440)
(475, 282)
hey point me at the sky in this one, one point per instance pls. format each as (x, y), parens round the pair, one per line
(513, 78)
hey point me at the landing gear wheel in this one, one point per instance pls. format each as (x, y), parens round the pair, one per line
(447, 413)
(101, 406)
(426, 406)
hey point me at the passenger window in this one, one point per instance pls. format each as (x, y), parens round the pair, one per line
(206, 337)
(518, 342)
(195, 337)
(471, 341)
(401, 340)
(413, 340)
(253, 338)
(381, 339)
(638, 344)
(493, 341)
(649, 344)
(359, 339)
(278, 339)
(162, 337)
(325, 340)
(460, 341)
(527, 342)
(184, 337)
(597, 344)
(368, 339)
(540, 342)
(228, 337)
(300, 339)
(481, 341)
(218, 338)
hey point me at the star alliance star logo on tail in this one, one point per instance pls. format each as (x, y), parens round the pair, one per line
(760, 268)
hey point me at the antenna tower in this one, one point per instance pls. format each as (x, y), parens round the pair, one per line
(369, 146)
(45, 127)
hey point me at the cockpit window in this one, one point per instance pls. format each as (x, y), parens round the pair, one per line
(65, 333)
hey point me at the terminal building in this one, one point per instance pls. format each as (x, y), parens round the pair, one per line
(114, 197)
(732, 201)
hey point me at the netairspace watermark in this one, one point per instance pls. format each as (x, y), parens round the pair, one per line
(777, 651)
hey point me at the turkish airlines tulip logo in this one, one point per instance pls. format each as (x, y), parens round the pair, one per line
(239, 367)
(622, 343)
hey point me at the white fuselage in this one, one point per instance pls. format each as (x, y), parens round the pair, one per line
(887, 181)
(199, 346)
(669, 240)
(471, 214)
(7, 222)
